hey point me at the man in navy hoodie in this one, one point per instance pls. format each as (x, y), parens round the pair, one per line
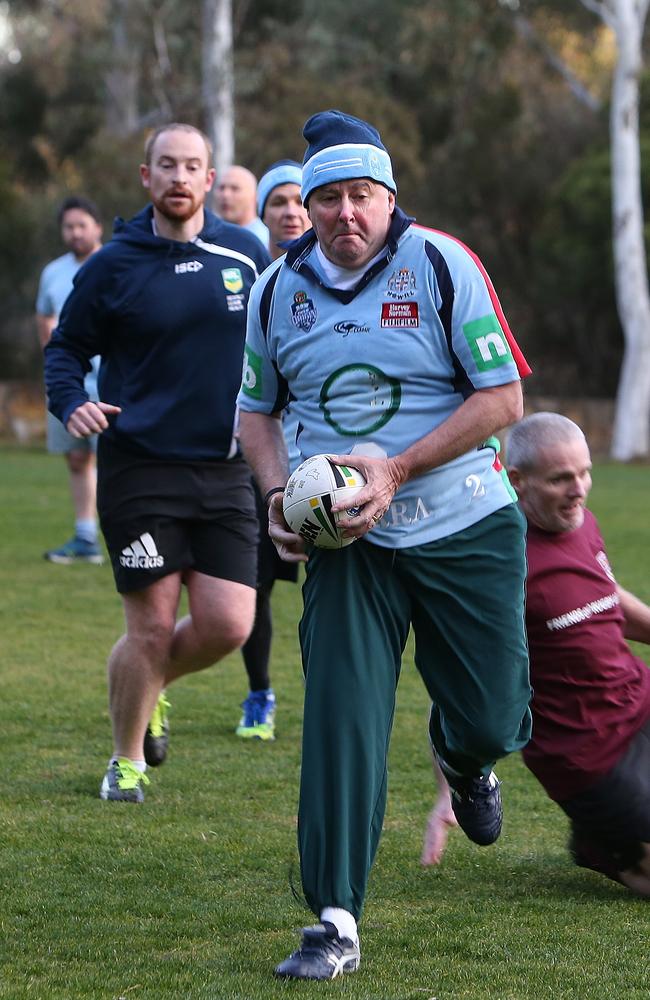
(164, 304)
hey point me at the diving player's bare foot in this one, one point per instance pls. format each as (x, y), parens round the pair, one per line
(441, 820)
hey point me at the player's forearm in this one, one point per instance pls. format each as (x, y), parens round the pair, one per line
(480, 416)
(264, 448)
(637, 617)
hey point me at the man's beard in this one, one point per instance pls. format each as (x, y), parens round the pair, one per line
(187, 208)
(81, 248)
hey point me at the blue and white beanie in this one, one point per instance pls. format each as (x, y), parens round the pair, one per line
(282, 172)
(341, 148)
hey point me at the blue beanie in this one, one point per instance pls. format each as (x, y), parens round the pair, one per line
(282, 172)
(341, 148)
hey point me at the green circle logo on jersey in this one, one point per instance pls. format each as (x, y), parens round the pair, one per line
(359, 399)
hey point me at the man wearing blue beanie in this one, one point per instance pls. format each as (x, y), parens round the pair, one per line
(391, 345)
(279, 204)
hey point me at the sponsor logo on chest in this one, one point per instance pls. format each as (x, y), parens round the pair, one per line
(400, 314)
(188, 267)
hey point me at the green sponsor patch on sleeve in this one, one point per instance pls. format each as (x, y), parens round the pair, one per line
(252, 379)
(487, 342)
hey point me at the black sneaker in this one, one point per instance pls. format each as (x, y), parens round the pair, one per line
(322, 955)
(156, 738)
(477, 807)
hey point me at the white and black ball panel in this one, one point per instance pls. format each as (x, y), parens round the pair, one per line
(315, 486)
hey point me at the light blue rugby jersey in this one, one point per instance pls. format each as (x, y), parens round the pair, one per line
(383, 365)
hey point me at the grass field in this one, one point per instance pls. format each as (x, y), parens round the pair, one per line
(189, 895)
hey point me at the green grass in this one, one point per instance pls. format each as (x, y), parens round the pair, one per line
(189, 895)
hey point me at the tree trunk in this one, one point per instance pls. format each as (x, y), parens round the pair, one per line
(121, 81)
(631, 434)
(217, 81)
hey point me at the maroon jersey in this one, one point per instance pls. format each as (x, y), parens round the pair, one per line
(591, 695)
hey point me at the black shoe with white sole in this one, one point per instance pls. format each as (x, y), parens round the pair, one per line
(322, 955)
(477, 807)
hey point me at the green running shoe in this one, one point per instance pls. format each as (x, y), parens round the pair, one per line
(122, 782)
(156, 738)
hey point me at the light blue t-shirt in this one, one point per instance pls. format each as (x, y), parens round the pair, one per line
(258, 229)
(378, 368)
(53, 289)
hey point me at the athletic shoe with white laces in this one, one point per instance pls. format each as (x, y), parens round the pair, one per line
(477, 807)
(156, 738)
(75, 550)
(123, 782)
(258, 720)
(322, 955)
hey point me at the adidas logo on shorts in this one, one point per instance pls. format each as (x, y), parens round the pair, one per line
(141, 554)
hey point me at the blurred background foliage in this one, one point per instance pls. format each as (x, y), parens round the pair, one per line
(495, 113)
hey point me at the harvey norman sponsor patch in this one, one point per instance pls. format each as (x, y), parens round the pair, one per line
(400, 314)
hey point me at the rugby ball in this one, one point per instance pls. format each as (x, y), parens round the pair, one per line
(312, 489)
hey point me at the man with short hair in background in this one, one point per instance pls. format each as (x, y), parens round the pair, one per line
(590, 747)
(81, 233)
(164, 303)
(235, 201)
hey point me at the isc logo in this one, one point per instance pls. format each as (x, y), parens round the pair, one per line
(190, 265)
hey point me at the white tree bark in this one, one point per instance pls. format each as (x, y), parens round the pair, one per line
(631, 434)
(217, 80)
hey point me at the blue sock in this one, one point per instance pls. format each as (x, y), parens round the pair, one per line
(86, 529)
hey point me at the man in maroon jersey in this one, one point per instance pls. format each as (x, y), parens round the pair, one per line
(590, 747)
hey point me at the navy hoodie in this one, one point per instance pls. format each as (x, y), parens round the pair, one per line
(169, 321)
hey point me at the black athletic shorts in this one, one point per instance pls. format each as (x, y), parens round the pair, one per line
(167, 517)
(611, 819)
(270, 567)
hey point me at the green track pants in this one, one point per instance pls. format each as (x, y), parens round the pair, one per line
(464, 597)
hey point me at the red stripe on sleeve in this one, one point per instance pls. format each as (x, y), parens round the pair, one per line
(523, 367)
